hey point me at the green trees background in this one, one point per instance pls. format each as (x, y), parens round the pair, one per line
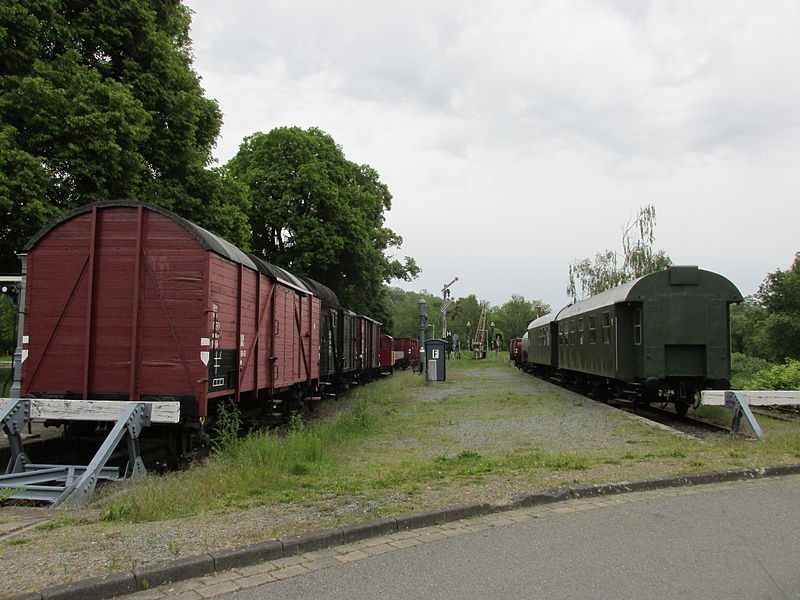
(765, 333)
(99, 101)
(316, 213)
(511, 319)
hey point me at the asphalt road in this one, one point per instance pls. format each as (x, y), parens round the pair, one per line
(740, 541)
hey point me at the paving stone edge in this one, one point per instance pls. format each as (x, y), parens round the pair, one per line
(155, 574)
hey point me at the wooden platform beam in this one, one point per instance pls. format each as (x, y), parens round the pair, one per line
(95, 410)
(754, 397)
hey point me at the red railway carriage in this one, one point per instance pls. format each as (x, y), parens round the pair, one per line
(406, 352)
(515, 350)
(387, 353)
(128, 301)
(367, 338)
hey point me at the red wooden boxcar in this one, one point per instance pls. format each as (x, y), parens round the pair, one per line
(515, 350)
(387, 353)
(128, 301)
(406, 352)
(367, 344)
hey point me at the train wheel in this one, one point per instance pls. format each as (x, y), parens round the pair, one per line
(681, 408)
(600, 390)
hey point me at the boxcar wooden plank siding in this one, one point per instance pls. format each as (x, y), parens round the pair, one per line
(112, 332)
(126, 301)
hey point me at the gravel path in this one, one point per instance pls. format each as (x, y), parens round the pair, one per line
(39, 548)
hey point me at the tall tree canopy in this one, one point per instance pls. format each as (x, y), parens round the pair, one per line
(780, 297)
(98, 101)
(767, 325)
(638, 259)
(316, 213)
(513, 317)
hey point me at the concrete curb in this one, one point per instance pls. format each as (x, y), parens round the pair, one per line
(153, 575)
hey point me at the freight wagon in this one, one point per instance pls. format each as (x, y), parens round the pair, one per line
(406, 352)
(127, 301)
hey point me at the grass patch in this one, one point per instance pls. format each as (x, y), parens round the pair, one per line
(404, 444)
(16, 542)
(61, 521)
(259, 468)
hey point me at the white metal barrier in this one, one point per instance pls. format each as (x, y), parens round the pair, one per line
(75, 484)
(739, 401)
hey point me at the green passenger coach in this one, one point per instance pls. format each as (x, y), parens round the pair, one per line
(664, 336)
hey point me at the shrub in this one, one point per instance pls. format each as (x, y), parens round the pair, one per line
(779, 377)
(745, 368)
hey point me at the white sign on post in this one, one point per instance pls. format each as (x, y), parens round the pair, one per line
(435, 353)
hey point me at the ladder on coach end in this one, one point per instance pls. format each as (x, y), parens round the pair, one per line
(73, 485)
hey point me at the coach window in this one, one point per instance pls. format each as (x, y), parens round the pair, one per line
(606, 328)
(592, 330)
(637, 326)
(580, 331)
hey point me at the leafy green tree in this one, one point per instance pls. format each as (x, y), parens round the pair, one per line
(744, 369)
(462, 311)
(638, 259)
(316, 213)
(767, 325)
(747, 328)
(780, 297)
(8, 317)
(513, 317)
(98, 101)
(403, 308)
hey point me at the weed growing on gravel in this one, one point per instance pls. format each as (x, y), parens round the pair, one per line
(229, 422)
(58, 523)
(16, 542)
(263, 467)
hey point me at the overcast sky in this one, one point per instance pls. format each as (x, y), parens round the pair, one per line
(517, 136)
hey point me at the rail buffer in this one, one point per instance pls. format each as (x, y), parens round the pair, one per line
(73, 485)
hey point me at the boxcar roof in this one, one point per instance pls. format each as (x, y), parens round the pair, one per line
(323, 292)
(207, 240)
(279, 274)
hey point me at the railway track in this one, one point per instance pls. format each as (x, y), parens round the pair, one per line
(781, 413)
(694, 427)
(688, 425)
